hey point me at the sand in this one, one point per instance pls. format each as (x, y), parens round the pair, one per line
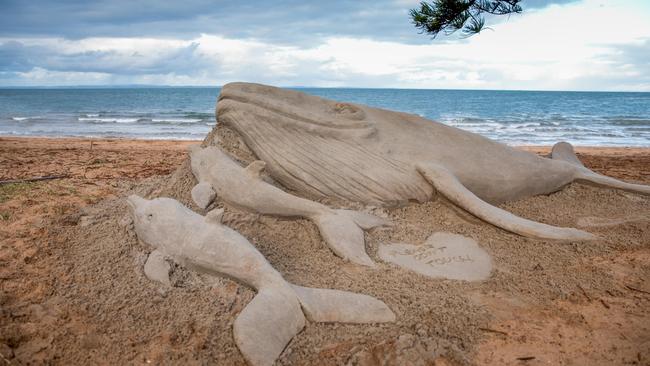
(72, 289)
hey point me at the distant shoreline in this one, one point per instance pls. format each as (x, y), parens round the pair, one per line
(66, 87)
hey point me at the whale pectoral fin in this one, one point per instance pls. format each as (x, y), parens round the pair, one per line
(564, 151)
(215, 216)
(328, 306)
(364, 220)
(267, 324)
(157, 269)
(255, 168)
(203, 194)
(450, 187)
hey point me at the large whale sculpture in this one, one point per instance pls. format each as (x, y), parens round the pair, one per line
(322, 148)
(219, 175)
(276, 313)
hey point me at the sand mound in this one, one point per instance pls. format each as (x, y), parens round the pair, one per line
(115, 315)
(131, 319)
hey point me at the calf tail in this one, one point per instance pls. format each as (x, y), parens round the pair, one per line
(267, 324)
(277, 313)
(326, 306)
(343, 230)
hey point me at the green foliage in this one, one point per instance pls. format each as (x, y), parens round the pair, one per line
(449, 16)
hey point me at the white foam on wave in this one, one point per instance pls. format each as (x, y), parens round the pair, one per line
(108, 120)
(93, 119)
(21, 119)
(176, 120)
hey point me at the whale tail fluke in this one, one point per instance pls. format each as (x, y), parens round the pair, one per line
(564, 151)
(342, 230)
(267, 324)
(325, 306)
(364, 220)
(277, 313)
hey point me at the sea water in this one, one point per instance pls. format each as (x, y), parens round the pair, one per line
(513, 117)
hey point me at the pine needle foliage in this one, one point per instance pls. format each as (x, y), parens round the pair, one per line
(449, 16)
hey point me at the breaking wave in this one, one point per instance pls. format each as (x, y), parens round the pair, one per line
(21, 119)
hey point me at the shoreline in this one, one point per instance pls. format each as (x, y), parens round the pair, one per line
(117, 157)
(97, 141)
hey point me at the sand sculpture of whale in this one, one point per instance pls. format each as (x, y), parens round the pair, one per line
(322, 148)
(219, 175)
(277, 313)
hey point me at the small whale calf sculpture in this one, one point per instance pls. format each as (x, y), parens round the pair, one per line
(322, 148)
(276, 313)
(219, 175)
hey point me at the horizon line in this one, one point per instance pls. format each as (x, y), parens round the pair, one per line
(154, 86)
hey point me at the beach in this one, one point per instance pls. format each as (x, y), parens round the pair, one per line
(56, 307)
(338, 183)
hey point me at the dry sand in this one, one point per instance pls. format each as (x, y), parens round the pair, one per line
(72, 289)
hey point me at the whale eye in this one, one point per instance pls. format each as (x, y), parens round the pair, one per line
(348, 111)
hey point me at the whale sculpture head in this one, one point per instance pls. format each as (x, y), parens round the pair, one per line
(158, 222)
(285, 108)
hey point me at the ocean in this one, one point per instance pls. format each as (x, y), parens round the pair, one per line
(512, 117)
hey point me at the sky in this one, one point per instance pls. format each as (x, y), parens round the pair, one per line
(553, 45)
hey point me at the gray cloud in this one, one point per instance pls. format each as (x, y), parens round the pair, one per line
(17, 57)
(630, 66)
(281, 22)
(537, 4)
(635, 54)
(285, 21)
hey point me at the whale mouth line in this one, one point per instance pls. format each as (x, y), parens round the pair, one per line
(356, 123)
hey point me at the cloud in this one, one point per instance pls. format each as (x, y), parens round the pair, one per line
(550, 46)
(159, 57)
(16, 57)
(281, 21)
(628, 65)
